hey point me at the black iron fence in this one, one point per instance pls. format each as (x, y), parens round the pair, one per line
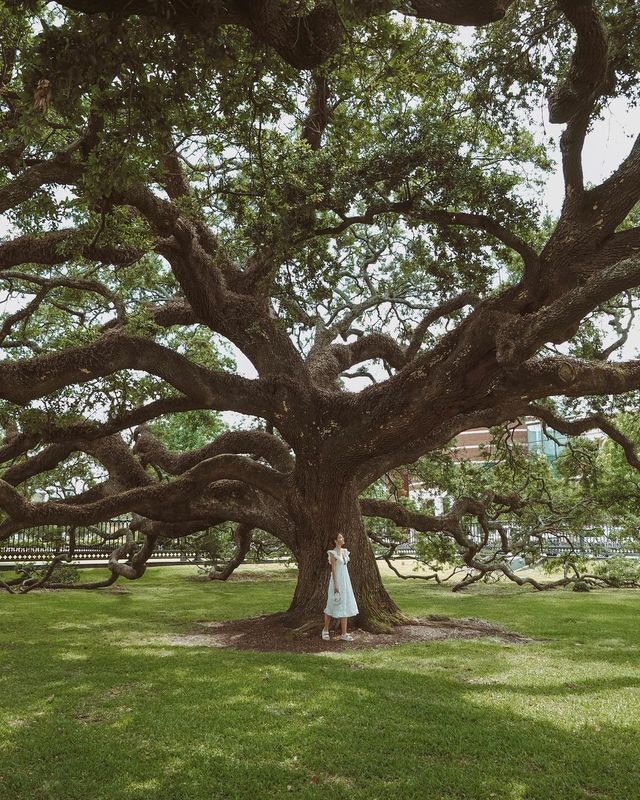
(95, 543)
(604, 542)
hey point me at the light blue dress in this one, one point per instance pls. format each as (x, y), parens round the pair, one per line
(346, 606)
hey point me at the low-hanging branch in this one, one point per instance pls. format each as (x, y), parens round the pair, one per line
(154, 500)
(480, 555)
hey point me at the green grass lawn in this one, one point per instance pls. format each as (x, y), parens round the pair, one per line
(96, 703)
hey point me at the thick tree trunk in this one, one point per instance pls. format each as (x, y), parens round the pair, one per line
(326, 509)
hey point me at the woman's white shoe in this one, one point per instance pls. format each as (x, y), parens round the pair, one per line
(347, 637)
(325, 635)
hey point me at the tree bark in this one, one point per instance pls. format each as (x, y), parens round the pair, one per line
(242, 536)
(322, 509)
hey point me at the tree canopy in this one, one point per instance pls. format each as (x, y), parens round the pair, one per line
(339, 189)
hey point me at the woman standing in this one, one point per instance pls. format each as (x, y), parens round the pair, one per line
(341, 601)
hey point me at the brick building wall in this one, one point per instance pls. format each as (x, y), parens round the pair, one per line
(474, 444)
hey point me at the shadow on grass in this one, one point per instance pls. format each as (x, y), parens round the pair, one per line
(93, 707)
(165, 723)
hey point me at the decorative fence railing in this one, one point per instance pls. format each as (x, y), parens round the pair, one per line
(606, 542)
(84, 544)
(97, 542)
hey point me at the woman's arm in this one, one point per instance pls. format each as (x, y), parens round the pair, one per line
(336, 588)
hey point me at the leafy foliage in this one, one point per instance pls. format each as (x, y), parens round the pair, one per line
(169, 189)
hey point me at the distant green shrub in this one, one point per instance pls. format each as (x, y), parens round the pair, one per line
(618, 570)
(62, 573)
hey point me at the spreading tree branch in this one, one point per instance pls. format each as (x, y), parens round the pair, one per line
(577, 427)
(28, 379)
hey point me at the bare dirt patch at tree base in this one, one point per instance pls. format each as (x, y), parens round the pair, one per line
(268, 634)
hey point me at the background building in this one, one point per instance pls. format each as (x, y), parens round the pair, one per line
(475, 444)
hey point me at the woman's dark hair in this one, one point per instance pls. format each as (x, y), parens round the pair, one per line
(332, 539)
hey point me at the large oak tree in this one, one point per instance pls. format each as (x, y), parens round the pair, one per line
(327, 185)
